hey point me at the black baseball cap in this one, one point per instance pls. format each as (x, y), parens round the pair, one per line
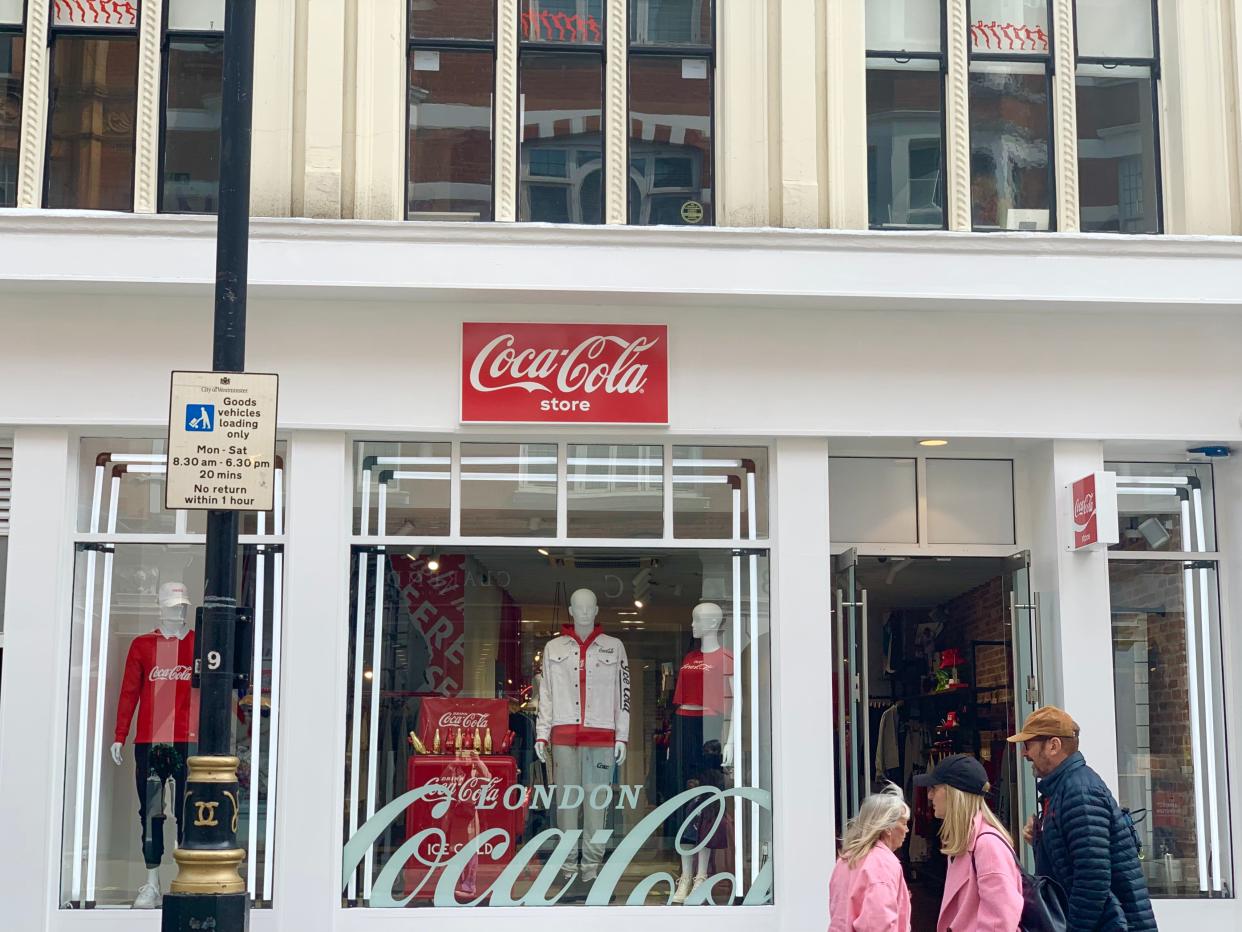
(960, 771)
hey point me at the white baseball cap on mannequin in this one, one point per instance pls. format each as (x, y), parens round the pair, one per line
(173, 593)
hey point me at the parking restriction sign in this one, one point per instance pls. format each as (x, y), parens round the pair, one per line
(221, 441)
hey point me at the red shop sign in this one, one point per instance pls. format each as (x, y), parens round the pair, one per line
(1093, 518)
(1086, 513)
(564, 373)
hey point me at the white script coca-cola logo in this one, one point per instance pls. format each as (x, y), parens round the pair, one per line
(159, 674)
(1084, 507)
(463, 720)
(598, 363)
(481, 791)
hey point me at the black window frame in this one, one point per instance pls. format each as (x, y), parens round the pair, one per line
(706, 53)
(18, 31)
(1153, 64)
(1048, 61)
(412, 45)
(55, 32)
(600, 49)
(167, 34)
(904, 57)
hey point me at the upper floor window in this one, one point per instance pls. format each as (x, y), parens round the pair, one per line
(1010, 88)
(92, 105)
(193, 79)
(671, 70)
(905, 113)
(561, 88)
(12, 66)
(1118, 134)
(452, 66)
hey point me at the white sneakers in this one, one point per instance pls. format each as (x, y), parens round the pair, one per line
(683, 888)
(698, 883)
(149, 897)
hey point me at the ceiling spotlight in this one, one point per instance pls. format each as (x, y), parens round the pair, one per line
(638, 603)
(368, 675)
(933, 443)
(433, 563)
(541, 550)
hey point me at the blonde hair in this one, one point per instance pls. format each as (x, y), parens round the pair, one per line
(960, 810)
(878, 813)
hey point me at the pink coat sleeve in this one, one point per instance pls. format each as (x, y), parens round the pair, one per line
(1000, 886)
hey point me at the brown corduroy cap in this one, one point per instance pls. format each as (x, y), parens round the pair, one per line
(1048, 722)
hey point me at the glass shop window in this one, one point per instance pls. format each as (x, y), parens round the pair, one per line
(93, 105)
(194, 76)
(452, 54)
(523, 730)
(1169, 677)
(905, 114)
(561, 89)
(671, 77)
(133, 709)
(12, 79)
(1118, 132)
(1010, 85)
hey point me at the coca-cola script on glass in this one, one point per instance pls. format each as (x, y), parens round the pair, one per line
(564, 373)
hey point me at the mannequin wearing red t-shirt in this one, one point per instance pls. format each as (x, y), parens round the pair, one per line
(703, 721)
(156, 686)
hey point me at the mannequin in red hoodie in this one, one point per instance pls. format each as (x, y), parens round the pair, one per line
(156, 686)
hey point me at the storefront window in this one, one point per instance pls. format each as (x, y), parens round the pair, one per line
(194, 63)
(718, 492)
(1168, 677)
(12, 77)
(93, 107)
(451, 84)
(508, 489)
(616, 490)
(405, 483)
(133, 707)
(522, 731)
(905, 114)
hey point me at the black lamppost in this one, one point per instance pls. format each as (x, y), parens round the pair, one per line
(208, 892)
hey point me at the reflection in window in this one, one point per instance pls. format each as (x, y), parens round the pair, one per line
(1171, 723)
(1010, 164)
(402, 488)
(450, 158)
(563, 22)
(90, 159)
(12, 67)
(670, 147)
(453, 19)
(1009, 27)
(481, 655)
(562, 153)
(192, 96)
(616, 490)
(1164, 507)
(905, 116)
(671, 22)
(720, 492)
(508, 489)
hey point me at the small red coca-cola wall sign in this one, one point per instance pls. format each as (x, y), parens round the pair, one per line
(564, 373)
(1093, 504)
(1086, 513)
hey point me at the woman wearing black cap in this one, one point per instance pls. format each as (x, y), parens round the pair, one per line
(983, 887)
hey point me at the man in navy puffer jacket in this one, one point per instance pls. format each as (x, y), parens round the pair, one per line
(1081, 838)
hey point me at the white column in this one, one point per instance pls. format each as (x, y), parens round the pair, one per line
(616, 119)
(147, 130)
(743, 196)
(310, 784)
(957, 116)
(1074, 604)
(799, 136)
(1065, 118)
(271, 141)
(35, 80)
(846, 108)
(506, 108)
(803, 772)
(318, 107)
(37, 609)
(378, 103)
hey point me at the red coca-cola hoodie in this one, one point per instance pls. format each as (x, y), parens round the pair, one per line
(157, 684)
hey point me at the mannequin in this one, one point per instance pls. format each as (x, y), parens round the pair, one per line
(584, 714)
(703, 729)
(156, 686)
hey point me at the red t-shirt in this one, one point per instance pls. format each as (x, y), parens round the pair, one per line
(705, 680)
(157, 684)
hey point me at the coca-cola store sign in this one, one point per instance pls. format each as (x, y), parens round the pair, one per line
(564, 373)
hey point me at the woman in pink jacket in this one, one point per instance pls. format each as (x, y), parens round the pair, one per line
(983, 888)
(868, 892)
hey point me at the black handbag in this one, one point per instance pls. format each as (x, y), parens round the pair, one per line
(1044, 906)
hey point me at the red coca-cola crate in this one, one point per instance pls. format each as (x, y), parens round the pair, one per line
(485, 795)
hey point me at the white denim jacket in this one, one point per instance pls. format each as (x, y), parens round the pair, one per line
(607, 690)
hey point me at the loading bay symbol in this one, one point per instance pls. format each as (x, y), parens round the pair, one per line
(200, 418)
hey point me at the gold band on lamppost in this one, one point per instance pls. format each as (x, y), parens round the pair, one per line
(208, 871)
(212, 810)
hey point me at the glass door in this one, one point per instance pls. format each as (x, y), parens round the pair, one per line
(1024, 624)
(850, 688)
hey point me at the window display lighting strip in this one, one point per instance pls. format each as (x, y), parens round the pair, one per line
(377, 657)
(128, 458)
(753, 528)
(105, 616)
(412, 461)
(360, 609)
(88, 630)
(1153, 480)
(273, 718)
(735, 728)
(842, 749)
(256, 708)
(1209, 723)
(508, 460)
(1192, 692)
(1143, 490)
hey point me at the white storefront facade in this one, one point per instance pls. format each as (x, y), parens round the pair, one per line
(821, 359)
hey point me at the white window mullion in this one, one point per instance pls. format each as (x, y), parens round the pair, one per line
(35, 80)
(507, 111)
(1065, 117)
(615, 103)
(957, 116)
(147, 114)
